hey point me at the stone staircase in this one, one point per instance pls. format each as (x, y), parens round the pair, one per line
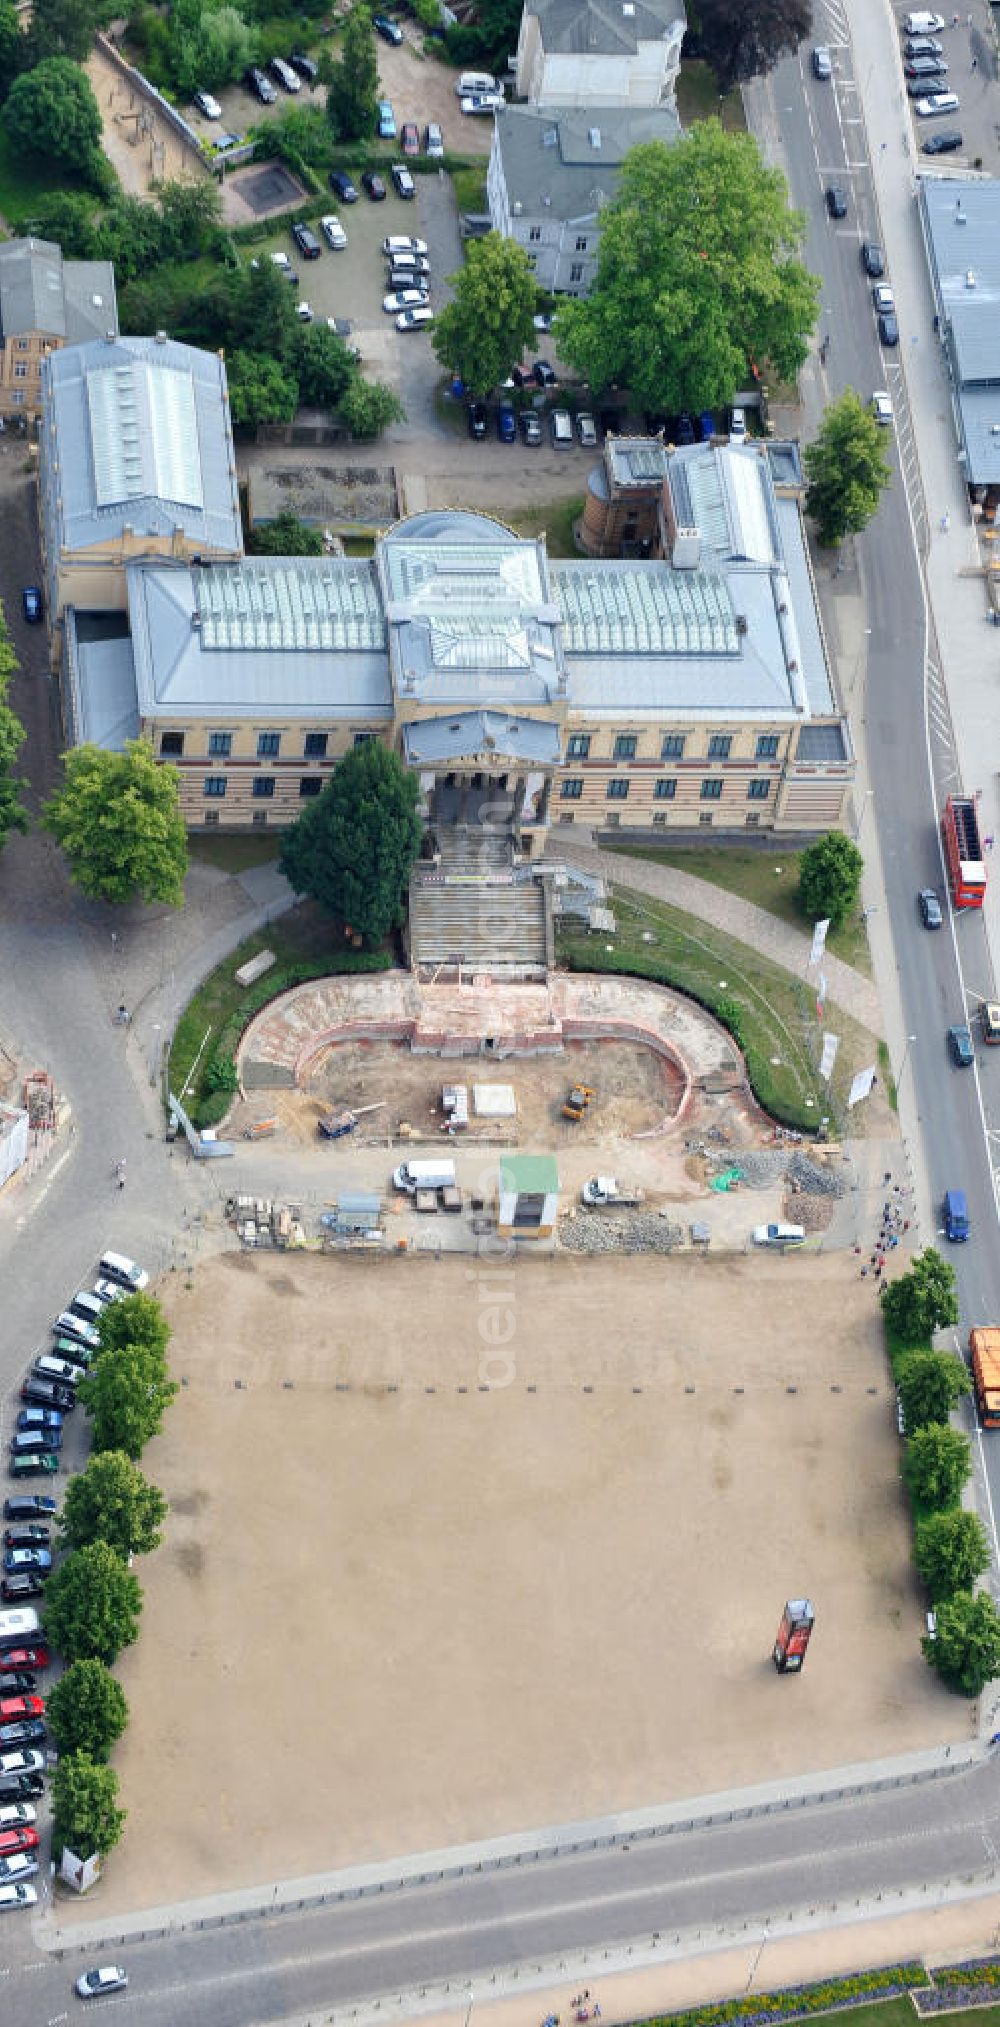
(473, 909)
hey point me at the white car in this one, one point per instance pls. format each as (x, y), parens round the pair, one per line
(482, 102)
(399, 243)
(923, 23)
(881, 408)
(778, 1235)
(22, 1865)
(208, 105)
(414, 320)
(26, 1761)
(17, 1815)
(281, 260)
(738, 426)
(333, 232)
(883, 299)
(17, 1895)
(937, 103)
(304, 313)
(94, 1984)
(404, 299)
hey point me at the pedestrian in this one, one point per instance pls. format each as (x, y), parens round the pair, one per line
(988, 842)
(864, 1273)
(122, 1015)
(945, 522)
(975, 63)
(954, 21)
(597, 2010)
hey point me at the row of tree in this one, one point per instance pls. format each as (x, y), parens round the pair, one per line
(92, 1600)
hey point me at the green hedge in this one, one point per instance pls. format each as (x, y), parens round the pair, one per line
(797, 2002)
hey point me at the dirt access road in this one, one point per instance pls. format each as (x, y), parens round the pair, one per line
(412, 1612)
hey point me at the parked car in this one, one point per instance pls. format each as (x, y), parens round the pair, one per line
(260, 85)
(14, 1707)
(68, 1324)
(881, 407)
(333, 232)
(779, 1235)
(822, 63)
(39, 1418)
(936, 104)
(409, 137)
(286, 76)
(404, 299)
(96, 1984)
(31, 604)
(836, 200)
(390, 31)
(23, 1865)
(306, 241)
(373, 186)
(586, 430)
(531, 428)
(25, 1657)
(543, 374)
(24, 1584)
(207, 104)
(15, 1681)
(304, 312)
(506, 420)
(410, 263)
(19, 1787)
(15, 1559)
(342, 187)
(386, 120)
(962, 1052)
(922, 45)
(17, 1815)
(404, 184)
(922, 23)
(478, 419)
(29, 1464)
(706, 425)
(398, 242)
(24, 1838)
(31, 1534)
(945, 143)
(683, 429)
(916, 87)
(925, 66)
(24, 1731)
(17, 1895)
(872, 258)
(561, 428)
(414, 320)
(30, 1439)
(883, 298)
(284, 266)
(29, 1506)
(433, 141)
(306, 65)
(481, 102)
(888, 329)
(738, 426)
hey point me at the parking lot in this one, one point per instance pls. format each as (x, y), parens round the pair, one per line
(412, 1592)
(969, 50)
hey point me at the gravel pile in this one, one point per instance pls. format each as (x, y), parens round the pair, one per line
(634, 1232)
(764, 1167)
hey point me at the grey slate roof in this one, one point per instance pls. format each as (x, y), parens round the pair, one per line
(572, 177)
(39, 291)
(603, 27)
(961, 222)
(140, 431)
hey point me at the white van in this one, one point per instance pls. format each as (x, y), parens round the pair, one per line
(561, 425)
(414, 1175)
(472, 82)
(922, 23)
(116, 1267)
(19, 1626)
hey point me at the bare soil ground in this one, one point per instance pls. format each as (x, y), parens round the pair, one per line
(433, 1605)
(422, 89)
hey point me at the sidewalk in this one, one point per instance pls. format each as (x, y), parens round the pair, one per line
(729, 912)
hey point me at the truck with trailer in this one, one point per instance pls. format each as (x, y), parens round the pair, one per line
(606, 1190)
(963, 851)
(984, 1350)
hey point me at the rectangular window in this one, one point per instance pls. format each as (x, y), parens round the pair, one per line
(613, 819)
(566, 816)
(578, 746)
(18, 397)
(758, 791)
(581, 244)
(625, 746)
(576, 271)
(215, 785)
(362, 738)
(22, 344)
(20, 371)
(672, 746)
(211, 816)
(534, 234)
(309, 784)
(268, 745)
(767, 746)
(720, 746)
(259, 818)
(711, 789)
(220, 745)
(172, 744)
(666, 788)
(617, 791)
(316, 745)
(705, 816)
(571, 789)
(263, 786)
(753, 820)
(659, 816)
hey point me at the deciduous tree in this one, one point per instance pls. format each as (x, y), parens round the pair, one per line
(260, 390)
(86, 1710)
(966, 1648)
(353, 848)
(698, 276)
(286, 535)
(322, 364)
(134, 1320)
(52, 111)
(12, 736)
(126, 1394)
(847, 469)
(487, 325)
(118, 820)
(61, 28)
(930, 1383)
(352, 100)
(936, 1465)
(84, 1807)
(110, 1500)
(368, 407)
(741, 39)
(829, 877)
(92, 1605)
(922, 1301)
(950, 1551)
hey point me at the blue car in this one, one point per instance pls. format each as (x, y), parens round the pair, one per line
(31, 604)
(388, 30)
(39, 1418)
(386, 121)
(16, 1559)
(506, 422)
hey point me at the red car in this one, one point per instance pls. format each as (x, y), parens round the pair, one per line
(409, 137)
(25, 1657)
(21, 1706)
(12, 1841)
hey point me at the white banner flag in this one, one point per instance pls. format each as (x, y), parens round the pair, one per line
(831, 1044)
(818, 942)
(861, 1087)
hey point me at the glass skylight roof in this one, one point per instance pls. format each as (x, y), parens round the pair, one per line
(241, 606)
(645, 611)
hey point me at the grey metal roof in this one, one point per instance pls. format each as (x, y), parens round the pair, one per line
(644, 609)
(637, 460)
(39, 291)
(571, 177)
(726, 490)
(291, 652)
(91, 302)
(428, 740)
(961, 222)
(139, 428)
(604, 27)
(104, 709)
(823, 743)
(469, 612)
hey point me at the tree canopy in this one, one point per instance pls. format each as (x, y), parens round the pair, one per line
(286, 535)
(488, 37)
(922, 1301)
(260, 390)
(741, 39)
(930, 1383)
(110, 1500)
(368, 407)
(118, 821)
(830, 872)
(12, 736)
(352, 849)
(487, 325)
(847, 469)
(126, 1394)
(52, 111)
(937, 1463)
(92, 1605)
(134, 1320)
(86, 1710)
(352, 99)
(950, 1551)
(85, 1811)
(966, 1648)
(698, 277)
(323, 365)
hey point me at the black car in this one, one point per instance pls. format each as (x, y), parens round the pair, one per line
(944, 143)
(30, 1535)
(925, 66)
(48, 1393)
(306, 241)
(918, 87)
(872, 259)
(888, 329)
(24, 1731)
(29, 1506)
(306, 66)
(930, 908)
(16, 1681)
(478, 419)
(26, 1584)
(260, 85)
(388, 30)
(342, 187)
(836, 201)
(922, 45)
(543, 374)
(21, 1787)
(373, 186)
(685, 431)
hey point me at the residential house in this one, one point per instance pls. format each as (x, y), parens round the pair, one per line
(46, 302)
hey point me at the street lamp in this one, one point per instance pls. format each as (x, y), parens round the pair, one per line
(910, 1039)
(865, 800)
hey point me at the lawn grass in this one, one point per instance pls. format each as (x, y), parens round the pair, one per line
(470, 188)
(698, 99)
(781, 1037)
(555, 520)
(769, 878)
(25, 178)
(233, 854)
